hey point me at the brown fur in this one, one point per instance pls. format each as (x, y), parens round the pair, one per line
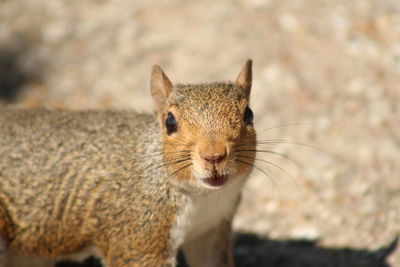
(74, 179)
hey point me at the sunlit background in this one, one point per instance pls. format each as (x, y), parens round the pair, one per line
(326, 72)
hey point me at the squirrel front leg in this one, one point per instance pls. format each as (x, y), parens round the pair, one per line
(134, 250)
(144, 260)
(212, 248)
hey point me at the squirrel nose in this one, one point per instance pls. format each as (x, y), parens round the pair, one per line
(215, 159)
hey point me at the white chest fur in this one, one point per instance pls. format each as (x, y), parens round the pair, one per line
(203, 212)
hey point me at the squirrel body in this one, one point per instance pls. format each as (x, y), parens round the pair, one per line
(132, 187)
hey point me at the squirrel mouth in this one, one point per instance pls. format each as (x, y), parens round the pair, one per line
(216, 179)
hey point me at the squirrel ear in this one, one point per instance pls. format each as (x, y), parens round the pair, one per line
(244, 78)
(161, 87)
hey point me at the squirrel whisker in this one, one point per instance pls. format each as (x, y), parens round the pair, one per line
(275, 142)
(161, 153)
(265, 172)
(276, 166)
(291, 159)
(180, 169)
(285, 125)
(167, 163)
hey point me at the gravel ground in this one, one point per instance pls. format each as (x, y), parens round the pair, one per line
(326, 72)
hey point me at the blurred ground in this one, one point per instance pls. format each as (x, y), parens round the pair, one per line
(330, 69)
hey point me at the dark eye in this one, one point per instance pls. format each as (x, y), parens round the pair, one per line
(170, 123)
(248, 116)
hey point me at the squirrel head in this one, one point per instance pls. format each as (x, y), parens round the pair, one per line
(208, 134)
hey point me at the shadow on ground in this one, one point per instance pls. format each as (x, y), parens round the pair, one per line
(12, 77)
(14, 72)
(252, 250)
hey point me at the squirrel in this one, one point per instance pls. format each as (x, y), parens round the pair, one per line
(130, 188)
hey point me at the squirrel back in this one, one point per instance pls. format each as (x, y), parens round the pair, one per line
(135, 186)
(72, 175)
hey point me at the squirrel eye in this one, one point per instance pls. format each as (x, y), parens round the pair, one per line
(248, 116)
(170, 123)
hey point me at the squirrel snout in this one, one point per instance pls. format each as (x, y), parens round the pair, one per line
(213, 155)
(214, 159)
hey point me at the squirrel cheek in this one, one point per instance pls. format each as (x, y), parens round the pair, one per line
(198, 169)
(201, 168)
